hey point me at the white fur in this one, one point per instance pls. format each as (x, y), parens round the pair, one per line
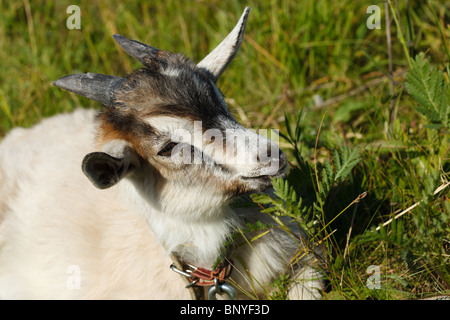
(54, 221)
(171, 72)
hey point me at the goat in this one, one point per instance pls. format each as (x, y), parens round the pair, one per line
(151, 193)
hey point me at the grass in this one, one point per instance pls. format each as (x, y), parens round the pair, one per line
(314, 61)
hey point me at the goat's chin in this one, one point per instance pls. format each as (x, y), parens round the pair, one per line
(258, 184)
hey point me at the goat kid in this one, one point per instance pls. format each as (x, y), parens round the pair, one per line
(152, 191)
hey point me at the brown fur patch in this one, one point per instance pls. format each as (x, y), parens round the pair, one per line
(124, 125)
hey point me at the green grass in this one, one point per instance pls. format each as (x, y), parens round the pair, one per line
(314, 61)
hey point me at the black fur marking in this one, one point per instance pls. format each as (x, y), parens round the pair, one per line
(189, 95)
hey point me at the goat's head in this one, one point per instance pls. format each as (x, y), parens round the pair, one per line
(167, 125)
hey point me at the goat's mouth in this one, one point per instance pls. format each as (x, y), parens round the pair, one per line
(263, 182)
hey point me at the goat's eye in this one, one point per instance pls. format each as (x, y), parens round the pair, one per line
(167, 150)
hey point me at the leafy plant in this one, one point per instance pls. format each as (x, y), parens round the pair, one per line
(344, 160)
(427, 85)
(281, 286)
(286, 203)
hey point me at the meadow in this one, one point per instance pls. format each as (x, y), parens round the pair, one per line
(363, 113)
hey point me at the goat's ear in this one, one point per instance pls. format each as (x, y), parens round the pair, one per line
(218, 59)
(104, 170)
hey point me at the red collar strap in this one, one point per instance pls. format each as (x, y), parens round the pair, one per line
(201, 276)
(205, 277)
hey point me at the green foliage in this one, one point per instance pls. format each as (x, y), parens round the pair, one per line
(428, 86)
(421, 238)
(344, 160)
(286, 203)
(281, 286)
(393, 234)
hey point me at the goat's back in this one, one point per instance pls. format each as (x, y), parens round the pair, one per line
(60, 236)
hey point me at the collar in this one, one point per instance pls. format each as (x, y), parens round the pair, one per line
(197, 279)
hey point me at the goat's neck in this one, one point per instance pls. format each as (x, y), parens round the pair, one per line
(196, 237)
(194, 241)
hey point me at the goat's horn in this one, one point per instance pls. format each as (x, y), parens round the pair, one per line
(218, 59)
(145, 54)
(98, 87)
